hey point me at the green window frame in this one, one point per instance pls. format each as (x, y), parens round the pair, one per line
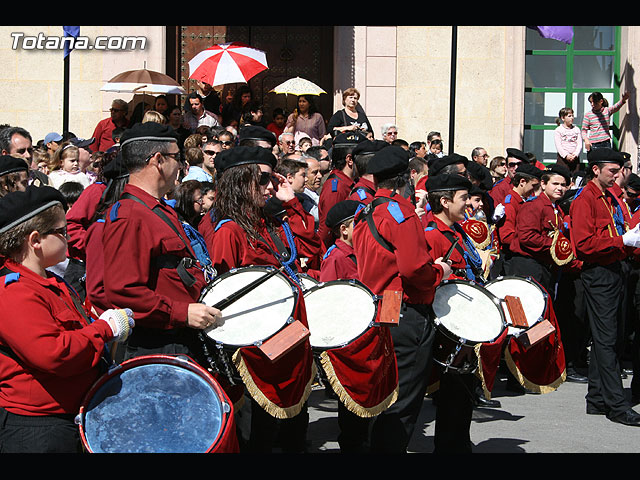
(534, 132)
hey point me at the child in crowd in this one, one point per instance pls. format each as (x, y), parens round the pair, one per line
(568, 139)
(66, 167)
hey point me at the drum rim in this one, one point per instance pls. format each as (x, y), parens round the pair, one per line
(266, 269)
(496, 301)
(179, 360)
(358, 284)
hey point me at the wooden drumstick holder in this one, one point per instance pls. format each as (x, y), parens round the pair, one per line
(285, 340)
(516, 312)
(390, 308)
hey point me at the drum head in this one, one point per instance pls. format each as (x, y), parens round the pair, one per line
(256, 316)
(150, 407)
(338, 312)
(532, 297)
(468, 312)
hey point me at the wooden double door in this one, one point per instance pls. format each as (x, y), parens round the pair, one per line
(305, 52)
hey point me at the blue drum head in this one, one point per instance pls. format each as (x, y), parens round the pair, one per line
(154, 408)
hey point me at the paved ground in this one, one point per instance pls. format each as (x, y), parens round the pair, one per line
(552, 423)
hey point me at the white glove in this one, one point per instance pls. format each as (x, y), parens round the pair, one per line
(498, 213)
(632, 237)
(120, 321)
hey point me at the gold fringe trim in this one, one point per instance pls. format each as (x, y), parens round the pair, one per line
(479, 373)
(532, 387)
(270, 407)
(347, 400)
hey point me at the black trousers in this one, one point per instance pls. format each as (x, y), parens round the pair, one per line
(454, 412)
(45, 434)
(603, 294)
(413, 343)
(572, 317)
(528, 267)
(268, 431)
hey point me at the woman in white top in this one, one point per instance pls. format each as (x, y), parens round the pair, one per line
(66, 167)
(568, 140)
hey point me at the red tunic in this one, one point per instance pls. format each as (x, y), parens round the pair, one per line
(507, 226)
(409, 268)
(594, 236)
(500, 190)
(59, 350)
(339, 263)
(79, 217)
(229, 247)
(438, 244)
(337, 187)
(363, 191)
(133, 238)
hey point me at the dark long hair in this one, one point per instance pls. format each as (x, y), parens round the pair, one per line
(236, 198)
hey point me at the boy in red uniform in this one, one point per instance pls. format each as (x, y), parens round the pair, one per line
(339, 262)
(449, 198)
(539, 229)
(392, 254)
(601, 241)
(52, 349)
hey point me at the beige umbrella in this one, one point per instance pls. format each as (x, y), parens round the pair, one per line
(143, 81)
(298, 86)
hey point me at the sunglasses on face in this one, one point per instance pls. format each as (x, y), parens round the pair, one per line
(265, 178)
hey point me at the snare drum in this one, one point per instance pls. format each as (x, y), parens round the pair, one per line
(532, 296)
(466, 315)
(157, 404)
(338, 312)
(253, 318)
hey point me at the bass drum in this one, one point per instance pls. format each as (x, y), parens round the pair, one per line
(157, 404)
(466, 314)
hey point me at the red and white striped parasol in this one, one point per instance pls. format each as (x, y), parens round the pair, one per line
(226, 63)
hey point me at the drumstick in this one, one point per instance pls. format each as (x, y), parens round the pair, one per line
(225, 302)
(450, 251)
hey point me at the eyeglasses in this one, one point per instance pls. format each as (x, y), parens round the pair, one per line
(392, 133)
(211, 153)
(57, 231)
(632, 194)
(176, 155)
(514, 164)
(226, 142)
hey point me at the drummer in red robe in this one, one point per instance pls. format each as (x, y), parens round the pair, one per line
(363, 373)
(392, 255)
(239, 232)
(148, 264)
(456, 396)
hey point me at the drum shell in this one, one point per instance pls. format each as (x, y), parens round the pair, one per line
(222, 441)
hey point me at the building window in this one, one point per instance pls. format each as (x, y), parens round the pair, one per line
(560, 75)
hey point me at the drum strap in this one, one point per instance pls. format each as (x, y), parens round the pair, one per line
(466, 255)
(170, 261)
(367, 215)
